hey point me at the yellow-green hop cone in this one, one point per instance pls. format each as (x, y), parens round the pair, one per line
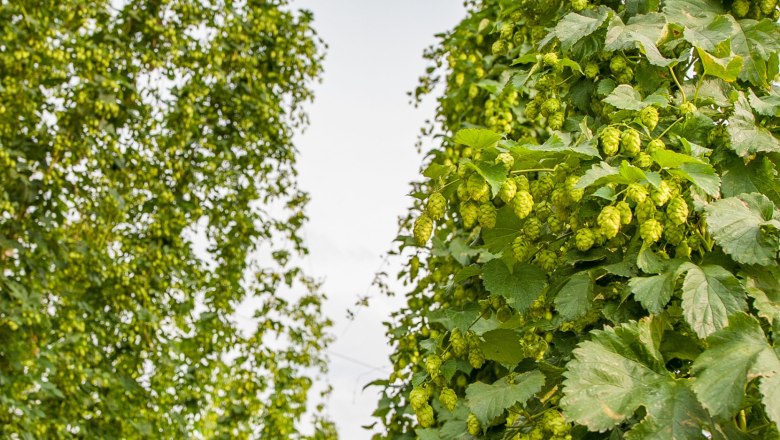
(584, 239)
(610, 140)
(644, 161)
(506, 159)
(425, 416)
(522, 183)
(644, 210)
(551, 106)
(499, 47)
(477, 187)
(740, 8)
(487, 215)
(591, 69)
(532, 228)
(508, 190)
(469, 212)
(651, 230)
(630, 142)
(655, 145)
(547, 260)
(682, 250)
(462, 192)
(674, 234)
(575, 194)
(521, 249)
(423, 228)
(522, 204)
(555, 121)
(662, 194)
(504, 313)
(579, 5)
(507, 29)
(418, 398)
(649, 117)
(636, 192)
(550, 59)
(677, 211)
(473, 426)
(476, 358)
(556, 224)
(767, 6)
(609, 221)
(617, 64)
(458, 343)
(531, 110)
(436, 206)
(687, 107)
(448, 398)
(433, 365)
(625, 212)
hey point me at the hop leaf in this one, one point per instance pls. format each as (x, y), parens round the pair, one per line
(423, 228)
(436, 206)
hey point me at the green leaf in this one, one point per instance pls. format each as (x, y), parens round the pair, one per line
(435, 170)
(625, 97)
(710, 295)
(490, 401)
(680, 417)
(642, 32)
(726, 69)
(755, 42)
(747, 137)
(743, 225)
(598, 174)
(478, 138)
(520, 287)
(503, 346)
(768, 105)
(508, 226)
(427, 434)
(696, 14)
(673, 159)
(760, 176)
(710, 36)
(575, 297)
(574, 26)
(736, 354)
(653, 292)
(494, 174)
(460, 319)
(702, 175)
(621, 369)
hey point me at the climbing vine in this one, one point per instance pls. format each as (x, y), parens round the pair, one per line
(594, 250)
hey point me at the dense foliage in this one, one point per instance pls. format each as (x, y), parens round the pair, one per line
(594, 252)
(147, 190)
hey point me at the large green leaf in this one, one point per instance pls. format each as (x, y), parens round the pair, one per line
(653, 292)
(755, 41)
(693, 14)
(575, 26)
(494, 174)
(619, 370)
(709, 37)
(488, 401)
(520, 287)
(747, 137)
(575, 297)
(710, 295)
(641, 32)
(726, 69)
(478, 138)
(508, 226)
(745, 227)
(702, 175)
(737, 354)
(503, 346)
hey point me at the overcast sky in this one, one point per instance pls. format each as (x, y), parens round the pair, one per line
(357, 159)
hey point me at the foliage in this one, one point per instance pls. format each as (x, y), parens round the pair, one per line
(147, 191)
(611, 226)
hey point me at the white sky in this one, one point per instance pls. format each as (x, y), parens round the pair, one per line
(357, 159)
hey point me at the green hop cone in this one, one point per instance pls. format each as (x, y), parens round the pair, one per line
(531, 110)
(433, 365)
(518, 38)
(662, 194)
(473, 91)
(649, 117)
(555, 121)
(575, 194)
(551, 106)
(556, 224)
(487, 215)
(677, 211)
(550, 59)
(682, 250)
(767, 6)
(425, 416)
(651, 230)
(418, 398)
(674, 234)
(436, 206)
(636, 192)
(543, 210)
(506, 159)
(532, 228)
(609, 221)
(469, 212)
(504, 314)
(508, 190)
(507, 30)
(499, 47)
(448, 398)
(521, 248)
(687, 107)
(458, 343)
(559, 199)
(584, 239)
(477, 187)
(625, 212)
(522, 204)
(626, 76)
(630, 142)
(644, 161)
(579, 5)
(644, 210)
(617, 64)
(476, 358)
(473, 426)
(591, 68)
(655, 145)
(610, 140)
(547, 260)
(462, 192)
(423, 228)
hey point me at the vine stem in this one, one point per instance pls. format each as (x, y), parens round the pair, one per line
(679, 86)
(532, 170)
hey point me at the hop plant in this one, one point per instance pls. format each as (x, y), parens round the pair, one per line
(645, 210)
(477, 187)
(531, 110)
(551, 106)
(504, 313)
(508, 190)
(610, 140)
(522, 204)
(651, 230)
(630, 142)
(649, 117)
(547, 260)
(507, 29)
(674, 234)
(644, 161)
(423, 228)
(625, 212)
(532, 228)
(662, 194)
(767, 6)
(433, 365)
(506, 159)
(687, 107)
(555, 121)
(425, 416)
(584, 239)
(473, 426)
(617, 64)
(487, 215)
(476, 358)
(677, 211)
(579, 5)
(418, 398)
(499, 47)
(609, 221)
(458, 343)
(591, 69)
(636, 192)
(655, 145)
(469, 212)
(740, 8)
(521, 249)
(556, 224)
(448, 398)
(436, 206)
(572, 192)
